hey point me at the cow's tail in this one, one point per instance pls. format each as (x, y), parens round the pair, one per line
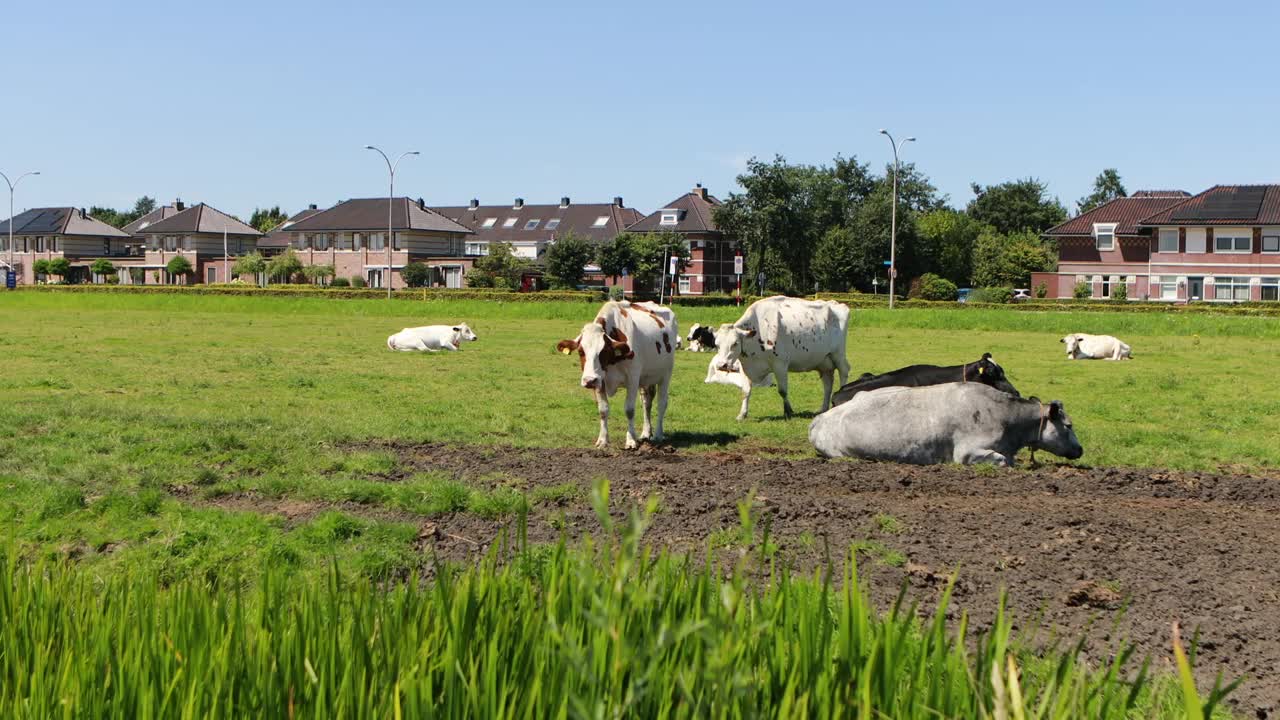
(390, 342)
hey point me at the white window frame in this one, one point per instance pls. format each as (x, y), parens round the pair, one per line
(669, 217)
(533, 224)
(1197, 236)
(1274, 237)
(600, 221)
(1272, 283)
(1234, 236)
(685, 284)
(1234, 283)
(1164, 287)
(1107, 230)
(1165, 233)
(552, 224)
(476, 249)
(509, 223)
(489, 223)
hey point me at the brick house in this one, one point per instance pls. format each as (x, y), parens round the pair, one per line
(196, 233)
(531, 229)
(280, 238)
(690, 215)
(56, 232)
(1222, 245)
(352, 235)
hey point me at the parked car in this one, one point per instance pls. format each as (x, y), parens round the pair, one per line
(1021, 294)
(962, 294)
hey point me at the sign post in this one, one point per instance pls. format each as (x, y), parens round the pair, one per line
(737, 270)
(675, 262)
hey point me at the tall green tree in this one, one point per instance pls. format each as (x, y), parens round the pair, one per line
(1106, 187)
(285, 266)
(567, 259)
(651, 253)
(947, 237)
(1001, 260)
(118, 219)
(1016, 206)
(499, 269)
(265, 220)
(617, 256)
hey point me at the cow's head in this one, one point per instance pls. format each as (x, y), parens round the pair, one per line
(1072, 342)
(597, 349)
(464, 333)
(992, 374)
(1055, 432)
(731, 344)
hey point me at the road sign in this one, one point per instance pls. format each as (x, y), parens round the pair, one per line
(674, 260)
(887, 263)
(737, 264)
(10, 279)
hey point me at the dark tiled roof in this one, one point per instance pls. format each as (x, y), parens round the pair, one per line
(161, 213)
(1160, 194)
(371, 214)
(580, 218)
(695, 210)
(1198, 210)
(200, 219)
(1126, 213)
(58, 221)
(279, 237)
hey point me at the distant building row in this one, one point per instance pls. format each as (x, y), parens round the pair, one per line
(352, 235)
(1220, 245)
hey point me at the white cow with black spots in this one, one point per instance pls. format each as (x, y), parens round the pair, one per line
(431, 338)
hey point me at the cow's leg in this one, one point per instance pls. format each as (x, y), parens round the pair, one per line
(975, 456)
(746, 401)
(451, 347)
(828, 376)
(781, 379)
(420, 344)
(646, 395)
(633, 389)
(663, 389)
(602, 404)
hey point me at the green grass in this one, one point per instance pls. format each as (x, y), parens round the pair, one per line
(607, 630)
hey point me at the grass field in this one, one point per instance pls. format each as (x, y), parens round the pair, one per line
(107, 403)
(122, 417)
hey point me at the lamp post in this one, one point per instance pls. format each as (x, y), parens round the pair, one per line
(893, 221)
(226, 261)
(13, 184)
(391, 169)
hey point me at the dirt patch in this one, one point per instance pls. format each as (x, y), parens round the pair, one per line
(1108, 553)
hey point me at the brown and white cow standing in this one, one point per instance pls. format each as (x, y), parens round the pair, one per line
(628, 345)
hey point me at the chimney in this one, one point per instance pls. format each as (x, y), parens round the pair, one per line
(422, 204)
(700, 191)
(82, 213)
(475, 204)
(519, 204)
(618, 201)
(312, 206)
(564, 201)
(177, 205)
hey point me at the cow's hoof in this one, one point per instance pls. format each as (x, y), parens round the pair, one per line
(602, 444)
(631, 444)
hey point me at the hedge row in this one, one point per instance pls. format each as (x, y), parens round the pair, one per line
(334, 293)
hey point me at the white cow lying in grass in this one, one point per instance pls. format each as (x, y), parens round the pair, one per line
(734, 376)
(1095, 347)
(431, 338)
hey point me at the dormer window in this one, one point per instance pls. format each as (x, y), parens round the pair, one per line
(509, 223)
(489, 222)
(1104, 236)
(552, 224)
(670, 217)
(532, 224)
(600, 221)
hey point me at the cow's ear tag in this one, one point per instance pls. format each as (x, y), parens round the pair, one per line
(564, 351)
(981, 370)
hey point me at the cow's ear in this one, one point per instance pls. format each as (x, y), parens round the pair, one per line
(986, 356)
(622, 351)
(565, 347)
(1055, 410)
(457, 329)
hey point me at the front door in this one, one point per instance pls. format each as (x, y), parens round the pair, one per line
(1195, 288)
(375, 278)
(453, 277)
(211, 275)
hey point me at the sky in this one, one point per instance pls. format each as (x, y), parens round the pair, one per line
(254, 104)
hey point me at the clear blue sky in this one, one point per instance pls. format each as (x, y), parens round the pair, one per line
(258, 103)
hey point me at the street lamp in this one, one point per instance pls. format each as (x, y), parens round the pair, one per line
(13, 184)
(893, 222)
(391, 168)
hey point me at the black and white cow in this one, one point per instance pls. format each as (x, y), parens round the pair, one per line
(985, 371)
(701, 338)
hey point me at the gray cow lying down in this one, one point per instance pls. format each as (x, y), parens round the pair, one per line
(957, 422)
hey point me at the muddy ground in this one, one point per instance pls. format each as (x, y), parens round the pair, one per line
(1107, 553)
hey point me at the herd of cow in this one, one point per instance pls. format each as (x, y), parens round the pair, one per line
(922, 414)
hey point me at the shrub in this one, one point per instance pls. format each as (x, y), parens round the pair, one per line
(102, 266)
(60, 266)
(251, 265)
(41, 267)
(1120, 292)
(1042, 290)
(566, 259)
(993, 295)
(1082, 291)
(933, 287)
(319, 274)
(416, 274)
(617, 292)
(340, 283)
(284, 266)
(179, 267)
(358, 282)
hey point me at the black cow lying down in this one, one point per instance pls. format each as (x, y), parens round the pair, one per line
(984, 371)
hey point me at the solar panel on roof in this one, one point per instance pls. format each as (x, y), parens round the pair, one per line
(1231, 204)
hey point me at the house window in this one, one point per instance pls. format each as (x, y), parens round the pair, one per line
(509, 223)
(322, 241)
(1196, 240)
(1271, 288)
(553, 223)
(1271, 243)
(1235, 242)
(489, 222)
(1106, 286)
(170, 242)
(685, 286)
(532, 224)
(1105, 236)
(1164, 287)
(40, 243)
(1168, 240)
(106, 247)
(669, 217)
(600, 221)
(377, 241)
(304, 241)
(1231, 288)
(396, 242)
(477, 248)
